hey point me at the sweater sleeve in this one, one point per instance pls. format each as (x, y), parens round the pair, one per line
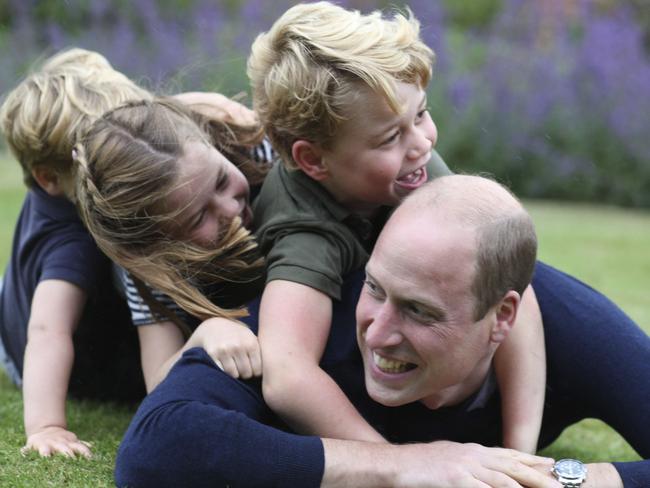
(200, 427)
(600, 359)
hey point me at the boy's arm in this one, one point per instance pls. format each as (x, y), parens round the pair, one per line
(294, 327)
(520, 364)
(56, 309)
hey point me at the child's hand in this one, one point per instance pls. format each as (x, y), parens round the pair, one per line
(52, 440)
(231, 345)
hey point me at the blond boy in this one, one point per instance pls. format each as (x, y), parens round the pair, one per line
(342, 97)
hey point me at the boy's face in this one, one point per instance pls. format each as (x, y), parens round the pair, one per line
(210, 192)
(379, 156)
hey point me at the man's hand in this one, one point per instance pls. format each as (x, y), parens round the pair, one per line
(439, 464)
(53, 440)
(231, 345)
(472, 465)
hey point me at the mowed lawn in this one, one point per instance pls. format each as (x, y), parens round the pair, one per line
(606, 247)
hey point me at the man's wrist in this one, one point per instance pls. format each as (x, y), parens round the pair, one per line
(602, 475)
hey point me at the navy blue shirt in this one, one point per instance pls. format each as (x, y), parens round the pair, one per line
(51, 243)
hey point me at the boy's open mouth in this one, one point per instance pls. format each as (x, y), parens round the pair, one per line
(413, 180)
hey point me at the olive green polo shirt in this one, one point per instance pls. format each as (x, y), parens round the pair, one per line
(308, 237)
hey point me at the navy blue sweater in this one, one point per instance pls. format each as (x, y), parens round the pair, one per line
(203, 428)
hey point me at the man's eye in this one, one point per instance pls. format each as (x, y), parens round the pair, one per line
(418, 312)
(373, 289)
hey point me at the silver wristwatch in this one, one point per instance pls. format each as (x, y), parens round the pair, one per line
(570, 473)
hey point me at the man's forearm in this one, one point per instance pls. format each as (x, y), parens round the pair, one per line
(438, 464)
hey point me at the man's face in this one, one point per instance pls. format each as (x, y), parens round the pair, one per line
(415, 318)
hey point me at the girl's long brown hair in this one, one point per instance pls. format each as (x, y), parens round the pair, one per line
(126, 165)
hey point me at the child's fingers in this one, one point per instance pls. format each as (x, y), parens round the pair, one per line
(229, 367)
(244, 366)
(255, 358)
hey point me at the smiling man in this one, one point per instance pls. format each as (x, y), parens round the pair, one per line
(442, 290)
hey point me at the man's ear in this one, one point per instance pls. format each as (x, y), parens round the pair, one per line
(48, 180)
(506, 313)
(309, 158)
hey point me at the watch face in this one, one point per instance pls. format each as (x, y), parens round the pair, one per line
(569, 468)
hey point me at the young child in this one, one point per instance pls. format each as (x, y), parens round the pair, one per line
(342, 98)
(162, 190)
(62, 324)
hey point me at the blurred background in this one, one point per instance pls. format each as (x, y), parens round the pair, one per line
(551, 96)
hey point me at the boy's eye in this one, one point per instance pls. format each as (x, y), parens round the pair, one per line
(420, 115)
(392, 138)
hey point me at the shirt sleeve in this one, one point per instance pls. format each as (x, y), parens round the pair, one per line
(77, 260)
(312, 259)
(437, 166)
(141, 313)
(263, 154)
(202, 428)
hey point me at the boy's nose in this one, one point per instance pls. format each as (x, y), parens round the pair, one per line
(421, 145)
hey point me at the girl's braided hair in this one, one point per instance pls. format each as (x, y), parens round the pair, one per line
(126, 165)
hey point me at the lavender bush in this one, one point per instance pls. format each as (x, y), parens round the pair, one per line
(550, 96)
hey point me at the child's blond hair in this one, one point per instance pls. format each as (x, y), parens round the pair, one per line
(41, 116)
(316, 56)
(127, 164)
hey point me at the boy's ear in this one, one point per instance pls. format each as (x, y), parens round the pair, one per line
(48, 180)
(309, 158)
(506, 313)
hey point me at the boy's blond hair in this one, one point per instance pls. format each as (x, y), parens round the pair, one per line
(41, 116)
(127, 165)
(307, 68)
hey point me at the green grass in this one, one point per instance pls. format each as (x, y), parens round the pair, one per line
(606, 247)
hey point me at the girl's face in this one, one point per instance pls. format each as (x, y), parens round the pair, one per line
(209, 193)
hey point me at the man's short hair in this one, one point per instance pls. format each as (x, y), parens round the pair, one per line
(506, 242)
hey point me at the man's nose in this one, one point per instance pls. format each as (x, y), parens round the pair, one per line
(384, 328)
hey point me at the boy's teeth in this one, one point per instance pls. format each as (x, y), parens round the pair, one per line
(391, 365)
(412, 177)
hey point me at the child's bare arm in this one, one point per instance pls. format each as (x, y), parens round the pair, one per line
(231, 344)
(520, 364)
(56, 308)
(294, 327)
(160, 345)
(219, 107)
